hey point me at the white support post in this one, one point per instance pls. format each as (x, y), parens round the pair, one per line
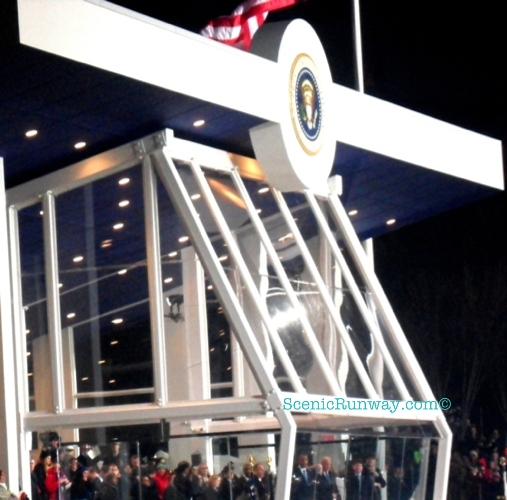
(9, 451)
(53, 300)
(153, 253)
(19, 335)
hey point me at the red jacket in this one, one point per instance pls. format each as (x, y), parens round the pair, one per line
(51, 482)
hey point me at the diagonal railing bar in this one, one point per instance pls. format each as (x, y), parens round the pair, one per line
(286, 285)
(175, 187)
(407, 357)
(358, 297)
(259, 303)
(328, 302)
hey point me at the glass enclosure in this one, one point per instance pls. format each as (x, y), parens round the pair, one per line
(169, 307)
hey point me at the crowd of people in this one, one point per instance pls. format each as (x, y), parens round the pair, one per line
(117, 476)
(478, 469)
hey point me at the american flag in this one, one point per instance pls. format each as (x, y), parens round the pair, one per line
(239, 28)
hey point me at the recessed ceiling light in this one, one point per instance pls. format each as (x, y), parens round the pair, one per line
(28, 353)
(30, 374)
(78, 258)
(80, 145)
(27, 332)
(199, 123)
(84, 379)
(183, 239)
(71, 315)
(106, 243)
(117, 321)
(259, 210)
(41, 213)
(112, 381)
(102, 362)
(124, 203)
(122, 271)
(263, 190)
(353, 212)
(173, 254)
(210, 287)
(114, 342)
(123, 181)
(31, 133)
(117, 226)
(390, 222)
(168, 280)
(195, 196)
(60, 285)
(222, 258)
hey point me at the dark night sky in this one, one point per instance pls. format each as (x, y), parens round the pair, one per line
(446, 60)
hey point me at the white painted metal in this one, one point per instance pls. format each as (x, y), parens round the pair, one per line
(286, 285)
(53, 300)
(195, 332)
(19, 338)
(176, 411)
(9, 433)
(153, 253)
(326, 298)
(358, 298)
(105, 394)
(247, 279)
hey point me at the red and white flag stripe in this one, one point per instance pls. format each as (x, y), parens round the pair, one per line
(239, 28)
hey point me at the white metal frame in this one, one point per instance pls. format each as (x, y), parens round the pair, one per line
(158, 153)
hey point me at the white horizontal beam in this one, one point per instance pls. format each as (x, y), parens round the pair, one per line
(156, 53)
(144, 413)
(382, 127)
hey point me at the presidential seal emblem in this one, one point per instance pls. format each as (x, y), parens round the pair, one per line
(297, 151)
(306, 104)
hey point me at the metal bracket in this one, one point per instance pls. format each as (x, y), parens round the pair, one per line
(139, 149)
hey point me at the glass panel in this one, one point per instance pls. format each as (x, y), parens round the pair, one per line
(394, 467)
(103, 288)
(33, 282)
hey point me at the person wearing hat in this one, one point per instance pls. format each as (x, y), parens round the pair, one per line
(161, 479)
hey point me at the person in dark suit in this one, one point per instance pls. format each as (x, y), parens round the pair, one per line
(376, 477)
(304, 480)
(327, 489)
(359, 486)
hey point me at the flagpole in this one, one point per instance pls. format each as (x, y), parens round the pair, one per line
(358, 47)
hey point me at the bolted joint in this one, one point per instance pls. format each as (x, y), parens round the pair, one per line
(139, 149)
